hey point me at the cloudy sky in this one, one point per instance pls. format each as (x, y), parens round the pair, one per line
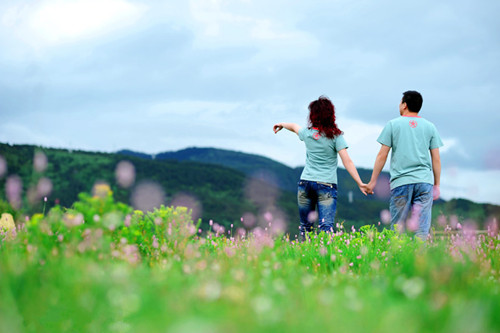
(156, 76)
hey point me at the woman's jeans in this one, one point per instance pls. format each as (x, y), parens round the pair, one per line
(311, 194)
(411, 208)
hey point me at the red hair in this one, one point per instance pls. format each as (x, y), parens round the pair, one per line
(322, 117)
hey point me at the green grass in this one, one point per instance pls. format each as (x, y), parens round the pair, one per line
(126, 271)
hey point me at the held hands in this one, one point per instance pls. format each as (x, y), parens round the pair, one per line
(370, 186)
(366, 188)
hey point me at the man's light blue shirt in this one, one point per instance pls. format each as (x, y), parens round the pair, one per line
(411, 139)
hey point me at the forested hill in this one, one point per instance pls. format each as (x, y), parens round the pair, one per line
(225, 185)
(252, 165)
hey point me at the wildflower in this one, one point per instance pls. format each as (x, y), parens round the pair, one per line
(40, 162)
(155, 243)
(230, 251)
(13, 190)
(7, 222)
(71, 220)
(101, 190)
(268, 216)
(312, 216)
(125, 174)
(385, 216)
(43, 188)
(127, 221)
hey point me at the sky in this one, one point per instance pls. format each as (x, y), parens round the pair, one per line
(155, 76)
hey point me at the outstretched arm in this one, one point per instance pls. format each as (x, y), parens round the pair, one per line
(379, 165)
(289, 126)
(351, 168)
(436, 169)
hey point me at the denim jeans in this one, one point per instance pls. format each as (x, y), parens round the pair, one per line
(312, 195)
(417, 200)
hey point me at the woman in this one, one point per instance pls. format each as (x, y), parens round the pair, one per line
(318, 182)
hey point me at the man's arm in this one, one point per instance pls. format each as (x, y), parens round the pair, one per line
(289, 126)
(379, 165)
(436, 169)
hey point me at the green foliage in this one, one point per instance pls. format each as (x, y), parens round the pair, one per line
(5, 207)
(100, 208)
(73, 270)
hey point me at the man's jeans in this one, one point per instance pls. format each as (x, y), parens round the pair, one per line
(414, 198)
(311, 194)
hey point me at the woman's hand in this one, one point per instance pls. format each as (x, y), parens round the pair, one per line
(277, 128)
(289, 126)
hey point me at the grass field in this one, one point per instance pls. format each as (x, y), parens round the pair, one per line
(102, 267)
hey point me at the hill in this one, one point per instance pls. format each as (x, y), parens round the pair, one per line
(220, 185)
(256, 166)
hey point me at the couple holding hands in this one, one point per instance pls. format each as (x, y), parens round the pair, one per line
(415, 166)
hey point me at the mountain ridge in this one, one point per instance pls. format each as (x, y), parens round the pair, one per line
(219, 179)
(251, 164)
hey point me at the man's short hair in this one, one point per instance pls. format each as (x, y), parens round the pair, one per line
(413, 100)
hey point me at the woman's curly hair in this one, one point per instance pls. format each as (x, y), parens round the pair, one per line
(322, 117)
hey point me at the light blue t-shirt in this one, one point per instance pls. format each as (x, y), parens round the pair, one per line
(321, 156)
(410, 138)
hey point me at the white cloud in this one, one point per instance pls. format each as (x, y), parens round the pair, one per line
(232, 24)
(58, 21)
(452, 145)
(192, 108)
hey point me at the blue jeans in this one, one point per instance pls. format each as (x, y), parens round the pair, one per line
(310, 195)
(414, 198)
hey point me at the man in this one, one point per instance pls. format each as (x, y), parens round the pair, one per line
(415, 173)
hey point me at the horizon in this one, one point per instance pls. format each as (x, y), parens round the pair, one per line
(224, 149)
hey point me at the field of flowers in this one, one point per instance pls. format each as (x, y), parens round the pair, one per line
(103, 267)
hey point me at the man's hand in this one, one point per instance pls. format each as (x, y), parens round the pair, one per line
(436, 192)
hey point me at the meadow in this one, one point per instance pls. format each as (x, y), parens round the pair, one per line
(101, 266)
